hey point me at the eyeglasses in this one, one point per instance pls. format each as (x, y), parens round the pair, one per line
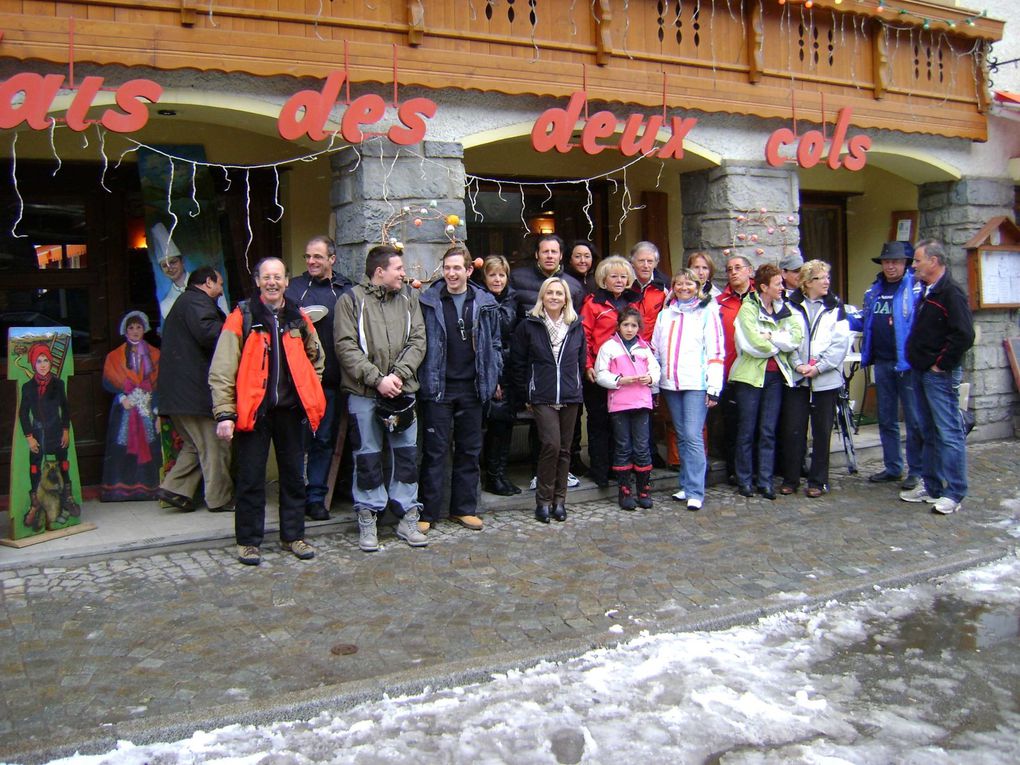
(734, 269)
(462, 328)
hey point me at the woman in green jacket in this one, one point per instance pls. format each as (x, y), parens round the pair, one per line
(764, 334)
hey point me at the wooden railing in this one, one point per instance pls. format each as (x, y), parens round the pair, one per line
(741, 56)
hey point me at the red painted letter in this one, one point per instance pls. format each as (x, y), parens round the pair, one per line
(856, 149)
(629, 142)
(410, 113)
(839, 136)
(600, 125)
(39, 94)
(129, 100)
(316, 106)
(674, 147)
(79, 107)
(364, 110)
(561, 122)
(782, 137)
(811, 148)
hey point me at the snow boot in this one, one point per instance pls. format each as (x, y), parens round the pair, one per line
(643, 479)
(625, 491)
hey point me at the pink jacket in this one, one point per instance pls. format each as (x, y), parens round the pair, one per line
(614, 362)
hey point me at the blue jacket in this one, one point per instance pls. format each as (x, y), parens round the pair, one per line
(907, 292)
(485, 332)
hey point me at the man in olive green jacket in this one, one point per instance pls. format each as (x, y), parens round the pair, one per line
(379, 336)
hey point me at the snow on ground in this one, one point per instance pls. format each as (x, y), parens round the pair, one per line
(925, 674)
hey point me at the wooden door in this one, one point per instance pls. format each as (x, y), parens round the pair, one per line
(823, 235)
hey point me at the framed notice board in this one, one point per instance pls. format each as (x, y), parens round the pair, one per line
(993, 265)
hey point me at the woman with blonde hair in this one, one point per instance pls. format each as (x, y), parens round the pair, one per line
(599, 316)
(547, 359)
(817, 364)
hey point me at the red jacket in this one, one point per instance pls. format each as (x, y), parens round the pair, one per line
(599, 318)
(650, 300)
(729, 305)
(239, 373)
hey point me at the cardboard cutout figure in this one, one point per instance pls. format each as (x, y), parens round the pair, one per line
(133, 451)
(45, 489)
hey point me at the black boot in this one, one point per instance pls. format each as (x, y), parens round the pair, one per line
(559, 512)
(643, 479)
(67, 503)
(497, 456)
(625, 492)
(542, 513)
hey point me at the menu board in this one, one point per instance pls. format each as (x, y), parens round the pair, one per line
(999, 272)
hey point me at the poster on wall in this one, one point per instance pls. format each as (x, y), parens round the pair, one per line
(45, 489)
(182, 219)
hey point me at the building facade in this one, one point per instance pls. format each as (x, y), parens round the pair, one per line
(748, 126)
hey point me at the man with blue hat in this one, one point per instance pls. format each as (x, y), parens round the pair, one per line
(885, 322)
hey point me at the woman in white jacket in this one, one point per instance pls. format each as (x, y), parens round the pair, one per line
(689, 345)
(817, 377)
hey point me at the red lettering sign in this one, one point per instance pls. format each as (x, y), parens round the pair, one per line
(811, 146)
(39, 93)
(307, 111)
(554, 129)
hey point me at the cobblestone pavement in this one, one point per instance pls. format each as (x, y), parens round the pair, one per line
(130, 648)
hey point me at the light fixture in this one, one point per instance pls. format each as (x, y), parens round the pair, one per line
(166, 113)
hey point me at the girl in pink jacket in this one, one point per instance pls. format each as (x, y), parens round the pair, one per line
(627, 367)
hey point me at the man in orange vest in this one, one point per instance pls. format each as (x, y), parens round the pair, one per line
(265, 380)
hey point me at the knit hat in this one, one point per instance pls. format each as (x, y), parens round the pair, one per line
(37, 350)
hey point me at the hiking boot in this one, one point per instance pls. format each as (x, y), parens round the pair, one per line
(368, 538)
(249, 555)
(945, 506)
(472, 522)
(300, 548)
(408, 529)
(918, 494)
(424, 526)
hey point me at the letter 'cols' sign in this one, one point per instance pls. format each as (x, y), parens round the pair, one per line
(304, 113)
(811, 146)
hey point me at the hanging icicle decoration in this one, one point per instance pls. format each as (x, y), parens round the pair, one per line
(276, 196)
(212, 21)
(471, 7)
(589, 201)
(549, 196)
(129, 150)
(315, 24)
(84, 140)
(524, 222)
(247, 219)
(533, 18)
(499, 191)
(194, 193)
(471, 192)
(53, 148)
(658, 178)
(17, 191)
(226, 178)
(104, 162)
(570, 17)
(169, 206)
(626, 28)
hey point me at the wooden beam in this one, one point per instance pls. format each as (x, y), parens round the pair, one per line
(756, 43)
(603, 32)
(187, 13)
(415, 22)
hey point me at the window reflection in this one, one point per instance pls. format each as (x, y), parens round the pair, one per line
(46, 308)
(50, 235)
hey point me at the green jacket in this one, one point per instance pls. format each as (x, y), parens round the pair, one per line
(376, 332)
(760, 336)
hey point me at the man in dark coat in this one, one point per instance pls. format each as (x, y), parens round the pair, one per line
(527, 279)
(190, 333)
(318, 286)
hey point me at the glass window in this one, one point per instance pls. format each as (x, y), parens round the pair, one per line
(51, 235)
(47, 308)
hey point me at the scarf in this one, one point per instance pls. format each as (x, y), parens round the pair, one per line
(557, 330)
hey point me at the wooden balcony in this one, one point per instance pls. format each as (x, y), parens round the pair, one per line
(917, 66)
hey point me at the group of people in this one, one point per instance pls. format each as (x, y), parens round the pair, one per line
(480, 345)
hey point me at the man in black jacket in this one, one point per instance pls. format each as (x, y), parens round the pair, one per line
(528, 278)
(190, 333)
(318, 287)
(943, 331)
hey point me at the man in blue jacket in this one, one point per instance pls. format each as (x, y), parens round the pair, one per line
(943, 331)
(886, 318)
(462, 367)
(318, 287)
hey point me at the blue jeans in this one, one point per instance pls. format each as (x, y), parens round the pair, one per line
(892, 389)
(759, 414)
(687, 409)
(320, 451)
(944, 456)
(630, 439)
(372, 489)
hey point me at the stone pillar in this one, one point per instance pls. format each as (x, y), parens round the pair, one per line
(378, 180)
(722, 212)
(953, 212)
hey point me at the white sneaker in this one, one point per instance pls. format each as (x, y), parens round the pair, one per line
(694, 504)
(572, 481)
(945, 506)
(918, 494)
(534, 483)
(680, 496)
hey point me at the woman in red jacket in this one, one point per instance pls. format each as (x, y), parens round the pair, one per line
(599, 317)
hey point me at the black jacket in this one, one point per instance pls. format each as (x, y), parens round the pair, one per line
(304, 291)
(943, 327)
(190, 332)
(538, 377)
(527, 280)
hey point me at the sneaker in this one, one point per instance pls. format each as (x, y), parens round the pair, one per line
(572, 481)
(409, 529)
(945, 506)
(910, 482)
(249, 555)
(300, 548)
(534, 483)
(694, 505)
(368, 539)
(680, 496)
(918, 494)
